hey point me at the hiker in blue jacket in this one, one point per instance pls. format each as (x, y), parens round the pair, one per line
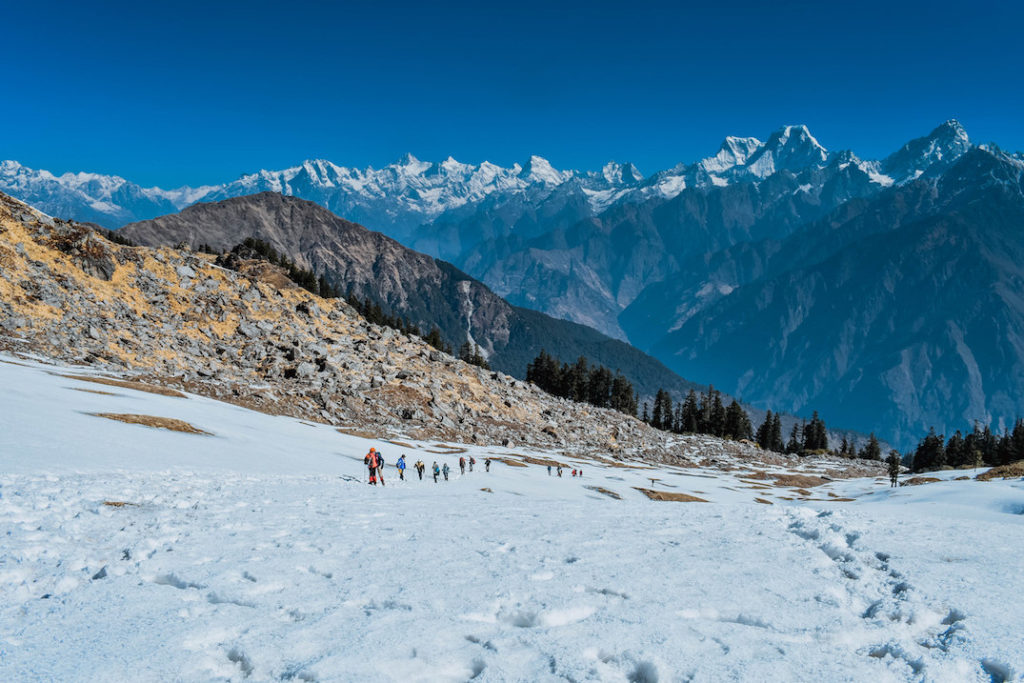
(401, 467)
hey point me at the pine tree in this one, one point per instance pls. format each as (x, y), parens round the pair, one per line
(716, 421)
(930, 453)
(764, 432)
(691, 414)
(956, 451)
(872, 450)
(795, 443)
(894, 461)
(776, 439)
(661, 416)
(737, 423)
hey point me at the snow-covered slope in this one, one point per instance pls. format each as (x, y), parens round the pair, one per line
(256, 552)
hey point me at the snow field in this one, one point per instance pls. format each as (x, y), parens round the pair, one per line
(258, 554)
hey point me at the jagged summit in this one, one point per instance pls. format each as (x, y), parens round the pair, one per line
(933, 152)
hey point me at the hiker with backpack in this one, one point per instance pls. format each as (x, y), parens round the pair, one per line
(436, 470)
(380, 467)
(472, 461)
(419, 468)
(487, 465)
(401, 467)
(445, 471)
(559, 470)
(370, 460)
(462, 465)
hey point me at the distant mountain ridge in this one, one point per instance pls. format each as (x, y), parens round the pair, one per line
(409, 192)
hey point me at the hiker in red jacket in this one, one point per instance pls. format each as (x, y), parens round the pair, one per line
(462, 465)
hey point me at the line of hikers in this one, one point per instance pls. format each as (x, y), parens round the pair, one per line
(576, 472)
(374, 461)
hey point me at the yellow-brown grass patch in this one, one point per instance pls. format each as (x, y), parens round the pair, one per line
(361, 433)
(917, 481)
(153, 421)
(543, 462)
(127, 384)
(801, 481)
(94, 391)
(1010, 471)
(763, 501)
(510, 462)
(668, 495)
(607, 492)
(119, 504)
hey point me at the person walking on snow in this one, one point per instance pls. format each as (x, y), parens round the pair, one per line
(445, 470)
(487, 465)
(380, 467)
(574, 474)
(462, 465)
(401, 467)
(472, 461)
(559, 470)
(419, 468)
(549, 470)
(371, 462)
(436, 470)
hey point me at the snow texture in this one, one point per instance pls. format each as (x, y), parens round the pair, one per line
(259, 553)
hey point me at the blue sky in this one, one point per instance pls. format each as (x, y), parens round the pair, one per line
(190, 93)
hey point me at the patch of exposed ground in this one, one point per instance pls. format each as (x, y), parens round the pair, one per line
(607, 492)
(128, 384)
(917, 481)
(1011, 471)
(801, 481)
(668, 495)
(153, 421)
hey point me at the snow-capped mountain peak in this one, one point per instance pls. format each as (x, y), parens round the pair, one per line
(621, 174)
(933, 152)
(538, 169)
(791, 148)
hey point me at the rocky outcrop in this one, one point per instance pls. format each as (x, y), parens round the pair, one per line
(417, 287)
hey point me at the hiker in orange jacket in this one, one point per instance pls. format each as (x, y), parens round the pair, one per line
(371, 462)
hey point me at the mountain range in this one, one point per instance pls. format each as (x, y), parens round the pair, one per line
(683, 262)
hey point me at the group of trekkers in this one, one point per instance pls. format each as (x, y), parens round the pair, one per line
(374, 461)
(576, 472)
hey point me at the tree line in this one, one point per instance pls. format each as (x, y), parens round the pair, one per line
(978, 447)
(583, 382)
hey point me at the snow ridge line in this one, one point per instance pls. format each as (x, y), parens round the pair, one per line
(914, 633)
